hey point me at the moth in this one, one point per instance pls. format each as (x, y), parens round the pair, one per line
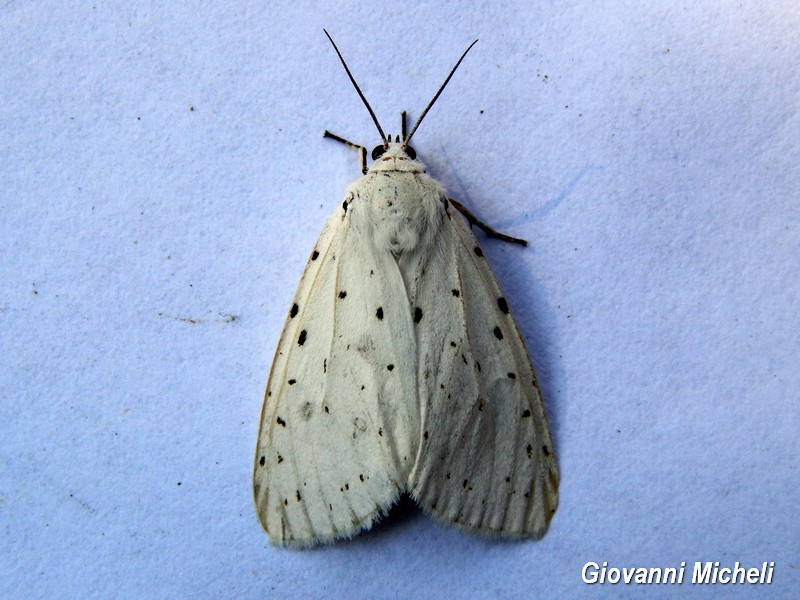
(401, 370)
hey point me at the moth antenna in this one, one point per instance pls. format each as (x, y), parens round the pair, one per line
(360, 93)
(441, 89)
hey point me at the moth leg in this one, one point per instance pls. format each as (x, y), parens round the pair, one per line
(362, 152)
(473, 220)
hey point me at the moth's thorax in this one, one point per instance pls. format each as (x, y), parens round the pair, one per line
(395, 159)
(401, 205)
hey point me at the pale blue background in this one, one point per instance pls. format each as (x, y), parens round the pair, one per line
(162, 171)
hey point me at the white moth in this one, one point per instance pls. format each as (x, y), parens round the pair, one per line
(400, 369)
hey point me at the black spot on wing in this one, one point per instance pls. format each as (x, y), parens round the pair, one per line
(292, 381)
(302, 339)
(478, 251)
(293, 312)
(342, 295)
(280, 422)
(390, 367)
(417, 315)
(498, 333)
(456, 293)
(314, 255)
(502, 305)
(379, 313)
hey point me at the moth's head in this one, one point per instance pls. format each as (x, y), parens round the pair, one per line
(395, 156)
